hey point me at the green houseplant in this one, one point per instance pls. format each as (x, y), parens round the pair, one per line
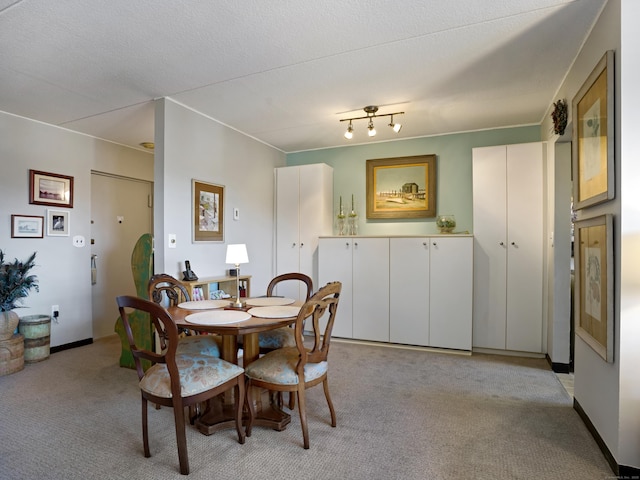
(15, 284)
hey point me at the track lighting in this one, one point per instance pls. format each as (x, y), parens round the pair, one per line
(371, 114)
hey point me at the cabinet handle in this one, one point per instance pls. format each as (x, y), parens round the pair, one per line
(502, 244)
(301, 245)
(435, 244)
(513, 243)
(347, 244)
(294, 244)
(355, 244)
(424, 244)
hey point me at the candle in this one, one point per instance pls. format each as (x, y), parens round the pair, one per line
(340, 203)
(352, 209)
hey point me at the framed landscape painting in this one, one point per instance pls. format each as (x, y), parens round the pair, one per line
(27, 226)
(50, 189)
(403, 187)
(208, 211)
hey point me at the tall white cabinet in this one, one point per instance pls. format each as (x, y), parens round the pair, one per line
(508, 227)
(304, 211)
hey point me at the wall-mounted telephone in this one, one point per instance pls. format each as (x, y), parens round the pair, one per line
(189, 276)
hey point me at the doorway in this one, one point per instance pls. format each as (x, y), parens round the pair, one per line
(121, 211)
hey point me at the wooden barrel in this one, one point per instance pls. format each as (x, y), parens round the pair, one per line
(36, 330)
(12, 355)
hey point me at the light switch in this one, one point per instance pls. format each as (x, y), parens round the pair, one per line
(236, 214)
(172, 240)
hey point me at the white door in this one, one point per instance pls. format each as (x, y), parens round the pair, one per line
(525, 233)
(409, 290)
(120, 213)
(490, 247)
(287, 228)
(450, 317)
(335, 266)
(371, 289)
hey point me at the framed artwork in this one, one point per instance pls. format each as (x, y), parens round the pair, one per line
(27, 226)
(208, 211)
(403, 187)
(593, 143)
(58, 223)
(50, 189)
(594, 283)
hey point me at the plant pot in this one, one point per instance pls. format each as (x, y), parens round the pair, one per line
(8, 324)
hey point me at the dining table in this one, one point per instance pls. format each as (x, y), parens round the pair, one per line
(220, 317)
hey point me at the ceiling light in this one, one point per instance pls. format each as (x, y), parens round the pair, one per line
(396, 126)
(371, 114)
(349, 133)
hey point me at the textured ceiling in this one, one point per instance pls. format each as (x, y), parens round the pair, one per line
(286, 71)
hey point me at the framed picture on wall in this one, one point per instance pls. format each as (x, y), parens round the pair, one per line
(27, 226)
(58, 223)
(593, 155)
(403, 187)
(50, 189)
(208, 211)
(594, 283)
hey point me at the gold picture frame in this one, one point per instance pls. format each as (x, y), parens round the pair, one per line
(594, 283)
(593, 141)
(207, 211)
(403, 187)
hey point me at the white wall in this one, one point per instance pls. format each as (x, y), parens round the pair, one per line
(192, 146)
(63, 270)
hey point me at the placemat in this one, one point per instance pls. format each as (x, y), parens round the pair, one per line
(204, 304)
(275, 311)
(269, 301)
(217, 317)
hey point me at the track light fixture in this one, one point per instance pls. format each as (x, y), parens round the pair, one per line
(371, 114)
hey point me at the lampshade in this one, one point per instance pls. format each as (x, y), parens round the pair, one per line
(371, 111)
(237, 254)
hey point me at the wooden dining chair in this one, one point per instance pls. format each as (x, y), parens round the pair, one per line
(178, 380)
(295, 369)
(168, 291)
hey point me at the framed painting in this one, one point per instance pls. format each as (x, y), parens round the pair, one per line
(594, 283)
(403, 187)
(593, 142)
(27, 226)
(58, 223)
(208, 211)
(50, 189)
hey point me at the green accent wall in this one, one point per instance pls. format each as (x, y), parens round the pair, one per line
(454, 186)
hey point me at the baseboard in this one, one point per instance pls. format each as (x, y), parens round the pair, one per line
(508, 353)
(559, 367)
(67, 346)
(401, 346)
(621, 471)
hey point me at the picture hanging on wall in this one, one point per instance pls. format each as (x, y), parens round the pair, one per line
(50, 189)
(58, 223)
(593, 155)
(403, 187)
(208, 211)
(27, 226)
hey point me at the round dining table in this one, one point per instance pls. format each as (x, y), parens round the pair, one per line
(219, 415)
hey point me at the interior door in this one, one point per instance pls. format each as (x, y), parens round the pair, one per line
(121, 211)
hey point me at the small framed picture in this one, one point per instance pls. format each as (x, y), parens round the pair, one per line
(27, 226)
(50, 189)
(207, 211)
(58, 223)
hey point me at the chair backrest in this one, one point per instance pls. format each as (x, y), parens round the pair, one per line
(291, 276)
(164, 327)
(323, 301)
(167, 291)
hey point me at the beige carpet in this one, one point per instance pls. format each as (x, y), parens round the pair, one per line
(402, 414)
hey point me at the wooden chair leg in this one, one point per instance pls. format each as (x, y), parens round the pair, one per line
(145, 429)
(250, 407)
(181, 437)
(325, 385)
(292, 400)
(302, 408)
(238, 405)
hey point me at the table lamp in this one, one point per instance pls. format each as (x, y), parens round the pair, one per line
(237, 254)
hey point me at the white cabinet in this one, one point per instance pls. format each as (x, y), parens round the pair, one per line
(362, 265)
(408, 290)
(508, 225)
(304, 205)
(451, 292)
(431, 287)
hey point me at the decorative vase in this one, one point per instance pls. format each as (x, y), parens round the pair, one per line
(8, 324)
(446, 223)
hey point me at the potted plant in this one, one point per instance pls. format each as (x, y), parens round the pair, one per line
(15, 284)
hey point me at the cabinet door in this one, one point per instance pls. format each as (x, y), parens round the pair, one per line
(490, 247)
(287, 227)
(525, 247)
(334, 264)
(409, 291)
(450, 305)
(371, 289)
(315, 215)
